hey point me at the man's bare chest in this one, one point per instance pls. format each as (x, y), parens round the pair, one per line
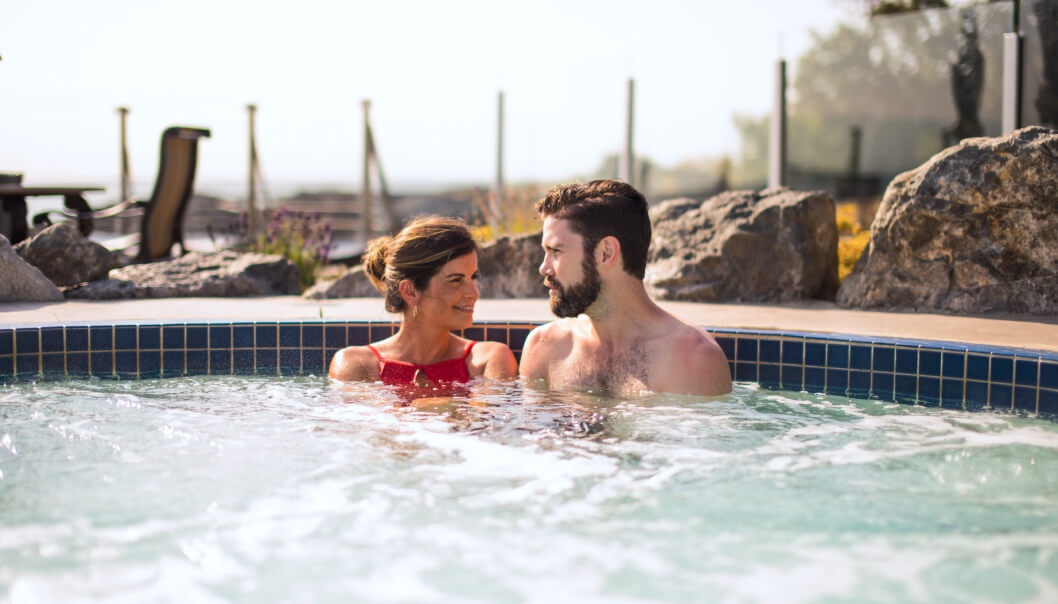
(616, 371)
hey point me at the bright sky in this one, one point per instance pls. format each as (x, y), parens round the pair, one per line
(432, 70)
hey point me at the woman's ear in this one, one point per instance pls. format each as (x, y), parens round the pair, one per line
(608, 251)
(408, 293)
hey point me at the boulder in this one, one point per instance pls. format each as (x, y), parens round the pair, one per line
(353, 283)
(66, 256)
(973, 230)
(216, 274)
(509, 268)
(20, 281)
(744, 246)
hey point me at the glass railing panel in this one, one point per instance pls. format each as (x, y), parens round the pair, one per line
(1039, 92)
(875, 97)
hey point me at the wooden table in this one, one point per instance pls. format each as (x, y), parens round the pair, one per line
(13, 220)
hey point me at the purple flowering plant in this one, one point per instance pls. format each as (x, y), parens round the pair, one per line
(304, 238)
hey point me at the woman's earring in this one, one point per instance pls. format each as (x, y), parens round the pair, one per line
(415, 311)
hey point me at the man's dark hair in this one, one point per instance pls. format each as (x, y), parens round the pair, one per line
(602, 208)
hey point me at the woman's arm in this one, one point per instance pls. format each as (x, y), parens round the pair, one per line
(536, 353)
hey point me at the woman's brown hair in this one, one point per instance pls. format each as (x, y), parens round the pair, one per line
(417, 252)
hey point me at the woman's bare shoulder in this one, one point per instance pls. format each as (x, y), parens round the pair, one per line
(493, 360)
(354, 363)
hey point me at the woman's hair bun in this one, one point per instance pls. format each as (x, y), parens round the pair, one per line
(374, 261)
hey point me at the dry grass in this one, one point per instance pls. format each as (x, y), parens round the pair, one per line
(515, 215)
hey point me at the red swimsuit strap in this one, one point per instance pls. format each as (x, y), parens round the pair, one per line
(466, 352)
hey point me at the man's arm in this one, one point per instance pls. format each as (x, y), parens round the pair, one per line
(536, 355)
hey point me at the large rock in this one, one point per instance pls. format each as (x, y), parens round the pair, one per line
(20, 281)
(744, 246)
(974, 230)
(66, 256)
(216, 274)
(509, 268)
(353, 283)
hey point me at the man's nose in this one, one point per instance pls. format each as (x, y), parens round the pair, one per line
(546, 268)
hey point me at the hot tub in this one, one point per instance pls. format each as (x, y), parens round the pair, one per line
(213, 462)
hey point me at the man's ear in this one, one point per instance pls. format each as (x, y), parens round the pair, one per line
(608, 252)
(408, 292)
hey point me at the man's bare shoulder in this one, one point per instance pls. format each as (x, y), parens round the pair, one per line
(693, 362)
(354, 363)
(552, 332)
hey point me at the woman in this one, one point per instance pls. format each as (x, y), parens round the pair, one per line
(429, 273)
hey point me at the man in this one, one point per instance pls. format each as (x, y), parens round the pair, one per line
(611, 336)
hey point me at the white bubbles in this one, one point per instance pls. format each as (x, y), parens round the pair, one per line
(251, 489)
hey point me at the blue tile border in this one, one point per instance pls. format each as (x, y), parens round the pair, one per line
(950, 375)
(7, 342)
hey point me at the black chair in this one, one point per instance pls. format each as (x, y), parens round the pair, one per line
(12, 211)
(162, 223)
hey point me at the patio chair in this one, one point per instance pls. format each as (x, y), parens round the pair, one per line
(162, 223)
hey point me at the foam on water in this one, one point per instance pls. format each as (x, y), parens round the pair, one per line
(248, 489)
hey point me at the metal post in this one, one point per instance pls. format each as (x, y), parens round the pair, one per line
(777, 139)
(1012, 46)
(365, 186)
(626, 170)
(493, 218)
(251, 180)
(126, 180)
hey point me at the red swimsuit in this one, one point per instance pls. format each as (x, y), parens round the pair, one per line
(400, 372)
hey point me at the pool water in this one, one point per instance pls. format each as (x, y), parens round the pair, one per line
(297, 490)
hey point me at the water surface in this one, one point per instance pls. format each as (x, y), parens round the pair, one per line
(296, 490)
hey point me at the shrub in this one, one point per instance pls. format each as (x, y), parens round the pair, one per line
(301, 237)
(848, 223)
(849, 251)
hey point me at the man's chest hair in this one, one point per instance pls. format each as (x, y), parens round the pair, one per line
(607, 368)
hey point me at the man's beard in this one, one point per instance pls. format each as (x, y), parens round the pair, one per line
(570, 301)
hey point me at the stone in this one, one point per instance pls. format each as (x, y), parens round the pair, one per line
(20, 281)
(509, 268)
(353, 283)
(66, 256)
(215, 274)
(775, 245)
(972, 230)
